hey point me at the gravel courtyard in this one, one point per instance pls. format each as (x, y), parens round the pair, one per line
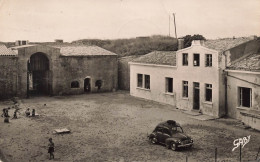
(113, 127)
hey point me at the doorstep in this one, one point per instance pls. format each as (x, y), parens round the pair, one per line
(196, 115)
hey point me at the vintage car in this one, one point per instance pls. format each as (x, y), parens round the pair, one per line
(170, 134)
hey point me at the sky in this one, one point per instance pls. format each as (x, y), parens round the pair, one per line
(38, 20)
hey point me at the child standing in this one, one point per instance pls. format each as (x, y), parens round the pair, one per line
(51, 148)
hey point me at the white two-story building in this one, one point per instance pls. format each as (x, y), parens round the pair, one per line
(192, 78)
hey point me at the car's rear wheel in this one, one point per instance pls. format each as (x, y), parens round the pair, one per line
(153, 140)
(173, 146)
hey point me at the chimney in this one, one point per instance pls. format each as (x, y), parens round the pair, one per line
(21, 42)
(59, 40)
(180, 44)
(198, 43)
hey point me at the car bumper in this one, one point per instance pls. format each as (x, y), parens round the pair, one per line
(185, 145)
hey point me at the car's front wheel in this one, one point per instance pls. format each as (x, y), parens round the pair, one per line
(153, 140)
(173, 146)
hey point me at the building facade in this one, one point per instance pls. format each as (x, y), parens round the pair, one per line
(152, 77)
(59, 70)
(200, 80)
(243, 90)
(197, 74)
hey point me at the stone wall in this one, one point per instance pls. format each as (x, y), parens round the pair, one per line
(78, 68)
(8, 76)
(65, 69)
(124, 72)
(24, 54)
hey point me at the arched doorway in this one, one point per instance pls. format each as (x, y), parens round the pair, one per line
(87, 85)
(38, 75)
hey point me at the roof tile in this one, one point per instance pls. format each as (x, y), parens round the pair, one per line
(226, 43)
(250, 63)
(74, 50)
(4, 51)
(158, 57)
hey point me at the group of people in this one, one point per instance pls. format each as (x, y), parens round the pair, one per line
(16, 111)
(27, 113)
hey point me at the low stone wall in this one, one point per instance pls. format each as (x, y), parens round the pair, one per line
(251, 119)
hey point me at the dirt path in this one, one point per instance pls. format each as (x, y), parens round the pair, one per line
(113, 127)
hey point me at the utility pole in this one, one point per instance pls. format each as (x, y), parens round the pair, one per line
(169, 25)
(175, 25)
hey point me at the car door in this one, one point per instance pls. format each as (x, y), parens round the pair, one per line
(159, 133)
(165, 134)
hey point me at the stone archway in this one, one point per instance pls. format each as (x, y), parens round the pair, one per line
(38, 79)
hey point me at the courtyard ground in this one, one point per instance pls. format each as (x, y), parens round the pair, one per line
(113, 127)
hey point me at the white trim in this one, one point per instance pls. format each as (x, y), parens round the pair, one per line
(143, 89)
(241, 71)
(205, 48)
(156, 65)
(169, 93)
(208, 102)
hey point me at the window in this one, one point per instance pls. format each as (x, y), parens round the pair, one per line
(185, 89)
(169, 85)
(74, 84)
(185, 59)
(208, 60)
(166, 131)
(177, 129)
(245, 99)
(140, 80)
(98, 84)
(147, 81)
(159, 129)
(196, 59)
(209, 92)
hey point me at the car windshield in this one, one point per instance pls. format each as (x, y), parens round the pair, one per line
(177, 130)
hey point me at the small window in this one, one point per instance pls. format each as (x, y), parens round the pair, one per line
(208, 60)
(147, 81)
(98, 84)
(245, 97)
(209, 92)
(166, 131)
(185, 59)
(169, 85)
(196, 60)
(140, 80)
(159, 129)
(74, 84)
(185, 89)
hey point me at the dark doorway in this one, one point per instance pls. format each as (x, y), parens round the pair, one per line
(38, 75)
(87, 87)
(196, 96)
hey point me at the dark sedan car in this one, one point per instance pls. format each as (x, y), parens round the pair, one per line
(171, 134)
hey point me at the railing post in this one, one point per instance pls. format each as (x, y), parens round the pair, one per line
(240, 159)
(257, 154)
(216, 154)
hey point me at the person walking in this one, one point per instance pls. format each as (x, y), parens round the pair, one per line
(51, 148)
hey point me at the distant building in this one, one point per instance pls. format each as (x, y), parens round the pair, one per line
(56, 70)
(197, 78)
